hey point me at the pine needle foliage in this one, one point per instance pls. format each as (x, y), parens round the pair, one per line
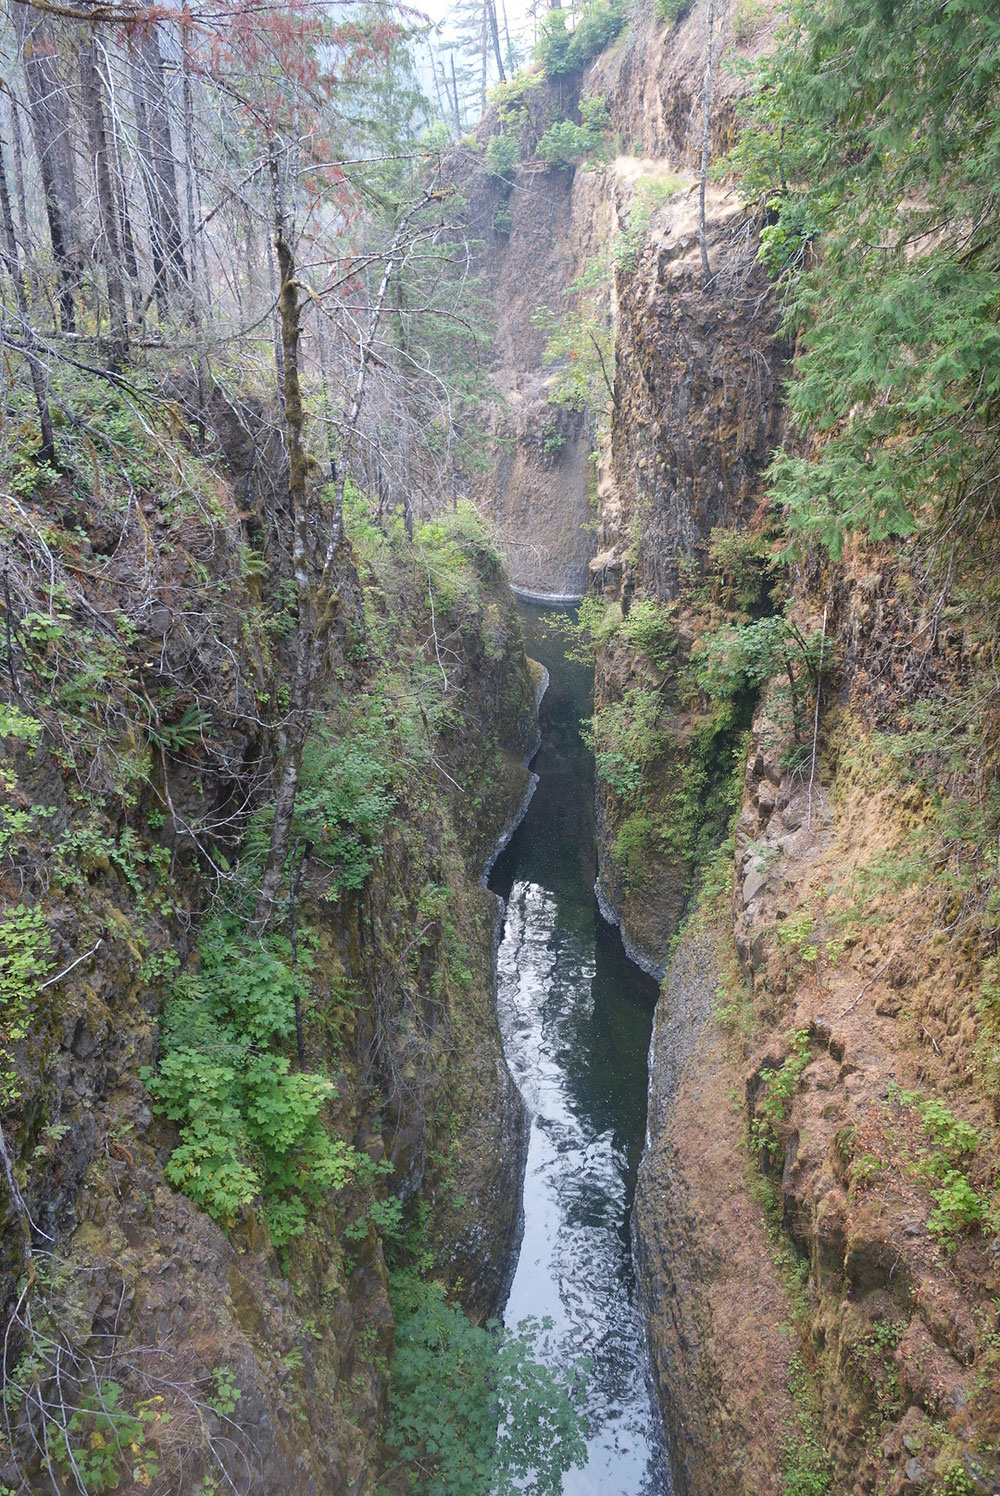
(873, 137)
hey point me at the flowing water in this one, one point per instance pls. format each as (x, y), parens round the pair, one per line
(576, 1016)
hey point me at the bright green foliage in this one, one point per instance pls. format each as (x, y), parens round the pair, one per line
(18, 725)
(344, 801)
(104, 1444)
(953, 1139)
(24, 961)
(472, 1412)
(513, 101)
(779, 1085)
(958, 1481)
(875, 129)
(737, 658)
(501, 155)
(566, 144)
(805, 1468)
(743, 569)
(748, 15)
(560, 51)
(673, 11)
(957, 1205)
(626, 737)
(798, 933)
(225, 1394)
(580, 344)
(594, 623)
(651, 629)
(249, 1125)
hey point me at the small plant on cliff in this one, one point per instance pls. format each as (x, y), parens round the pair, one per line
(566, 144)
(805, 1468)
(673, 11)
(626, 738)
(501, 155)
(954, 1142)
(748, 17)
(24, 960)
(561, 51)
(740, 657)
(104, 1442)
(651, 628)
(250, 1126)
(778, 1085)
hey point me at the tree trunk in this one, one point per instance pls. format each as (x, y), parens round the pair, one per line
(109, 247)
(491, 11)
(484, 54)
(454, 94)
(39, 383)
(128, 239)
(313, 569)
(702, 231)
(511, 63)
(147, 170)
(309, 637)
(164, 162)
(49, 115)
(18, 144)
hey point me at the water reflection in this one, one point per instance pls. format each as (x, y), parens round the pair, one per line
(576, 1018)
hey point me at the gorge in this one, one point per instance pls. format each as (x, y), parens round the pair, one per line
(363, 459)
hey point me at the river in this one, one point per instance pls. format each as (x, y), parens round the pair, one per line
(576, 1017)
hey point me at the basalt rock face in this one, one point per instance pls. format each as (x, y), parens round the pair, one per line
(263, 1370)
(713, 1298)
(819, 1316)
(698, 414)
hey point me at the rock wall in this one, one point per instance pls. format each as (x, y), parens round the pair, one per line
(257, 1370)
(823, 1035)
(697, 417)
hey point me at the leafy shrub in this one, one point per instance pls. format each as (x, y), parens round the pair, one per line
(501, 155)
(552, 48)
(599, 24)
(580, 345)
(779, 1085)
(25, 943)
(565, 144)
(513, 101)
(249, 1126)
(651, 628)
(957, 1206)
(739, 657)
(747, 18)
(583, 631)
(632, 848)
(103, 1443)
(344, 801)
(471, 1409)
(743, 566)
(626, 738)
(673, 11)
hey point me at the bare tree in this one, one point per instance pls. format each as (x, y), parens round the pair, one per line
(49, 114)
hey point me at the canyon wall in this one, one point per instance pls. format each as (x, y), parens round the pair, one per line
(821, 1315)
(248, 1355)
